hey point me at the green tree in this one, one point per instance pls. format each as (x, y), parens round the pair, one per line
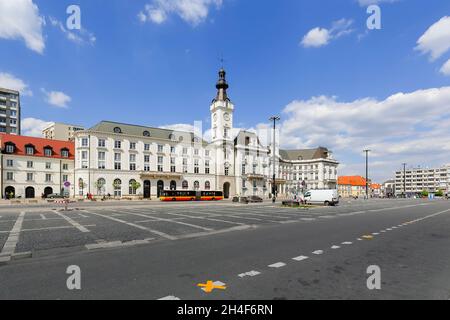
(439, 193)
(425, 193)
(134, 185)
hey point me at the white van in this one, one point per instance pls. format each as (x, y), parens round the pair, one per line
(327, 197)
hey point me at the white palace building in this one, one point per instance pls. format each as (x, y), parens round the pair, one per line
(125, 160)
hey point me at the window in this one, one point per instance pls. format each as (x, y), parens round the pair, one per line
(29, 176)
(29, 164)
(206, 153)
(132, 158)
(185, 150)
(117, 130)
(132, 145)
(172, 149)
(227, 172)
(146, 158)
(160, 148)
(65, 178)
(243, 184)
(117, 161)
(84, 142)
(10, 148)
(185, 185)
(207, 185)
(29, 150)
(9, 162)
(243, 169)
(146, 147)
(117, 188)
(48, 165)
(48, 177)
(196, 168)
(160, 159)
(48, 152)
(9, 176)
(118, 144)
(255, 184)
(101, 143)
(225, 132)
(196, 185)
(206, 166)
(100, 185)
(146, 133)
(133, 186)
(146, 167)
(132, 166)
(196, 151)
(65, 153)
(101, 160)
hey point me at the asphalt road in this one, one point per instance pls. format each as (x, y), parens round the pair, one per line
(144, 251)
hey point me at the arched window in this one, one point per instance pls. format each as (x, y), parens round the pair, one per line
(133, 186)
(185, 185)
(117, 188)
(196, 185)
(146, 133)
(172, 137)
(207, 185)
(117, 130)
(100, 184)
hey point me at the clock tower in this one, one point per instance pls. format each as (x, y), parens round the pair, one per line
(221, 112)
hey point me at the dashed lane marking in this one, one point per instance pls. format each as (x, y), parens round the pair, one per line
(252, 273)
(347, 243)
(169, 298)
(43, 217)
(317, 252)
(159, 233)
(72, 222)
(300, 258)
(335, 247)
(277, 265)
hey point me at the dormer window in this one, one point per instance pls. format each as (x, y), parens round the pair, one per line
(29, 149)
(117, 130)
(146, 133)
(65, 153)
(10, 147)
(172, 137)
(48, 151)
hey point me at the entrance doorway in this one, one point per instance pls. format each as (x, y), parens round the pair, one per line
(147, 189)
(226, 190)
(10, 192)
(48, 191)
(29, 193)
(160, 188)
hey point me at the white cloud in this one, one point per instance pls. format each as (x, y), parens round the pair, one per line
(446, 68)
(191, 11)
(33, 127)
(8, 81)
(19, 19)
(318, 37)
(406, 127)
(81, 36)
(436, 40)
(57, 98)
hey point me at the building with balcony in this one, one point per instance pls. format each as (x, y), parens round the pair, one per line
(9, 111)
(31, 167)
(139, 161)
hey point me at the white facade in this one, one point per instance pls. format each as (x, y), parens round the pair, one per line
(111, 157)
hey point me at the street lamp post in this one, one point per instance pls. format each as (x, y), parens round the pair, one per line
(274, 119)
(367, 172)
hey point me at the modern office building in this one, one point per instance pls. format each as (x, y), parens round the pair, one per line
(113, 158)
(9, 111)
(30, 166)
(412, 181)
(60, 131)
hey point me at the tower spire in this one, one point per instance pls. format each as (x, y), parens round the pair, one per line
(222, 86)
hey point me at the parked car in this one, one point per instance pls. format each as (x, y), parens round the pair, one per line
(240, 199)
(55, 196)
(255, 199)
(327, 197)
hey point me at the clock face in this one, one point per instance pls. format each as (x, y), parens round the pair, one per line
(226, 116)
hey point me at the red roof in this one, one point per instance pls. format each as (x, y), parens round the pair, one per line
(39, 144)
(352, 181)
(375, 186)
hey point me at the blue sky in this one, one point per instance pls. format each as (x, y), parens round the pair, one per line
(155, 62)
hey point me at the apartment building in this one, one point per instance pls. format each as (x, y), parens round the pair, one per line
(60, 131)
(412, 181)
(9, 111)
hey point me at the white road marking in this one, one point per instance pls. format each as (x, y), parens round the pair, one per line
(116, 244)
(300, 258)
(382, 231)
(277, 265)
(82, 215)
(10, 244)
(249, 274)
(335, 247)
(167, 220)
(170, 298)
(206, 218)
(72, 222)
(375, 233)
(43, 217)
(216, 283)
(161, 234)
(359, 239)
(317, 252)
